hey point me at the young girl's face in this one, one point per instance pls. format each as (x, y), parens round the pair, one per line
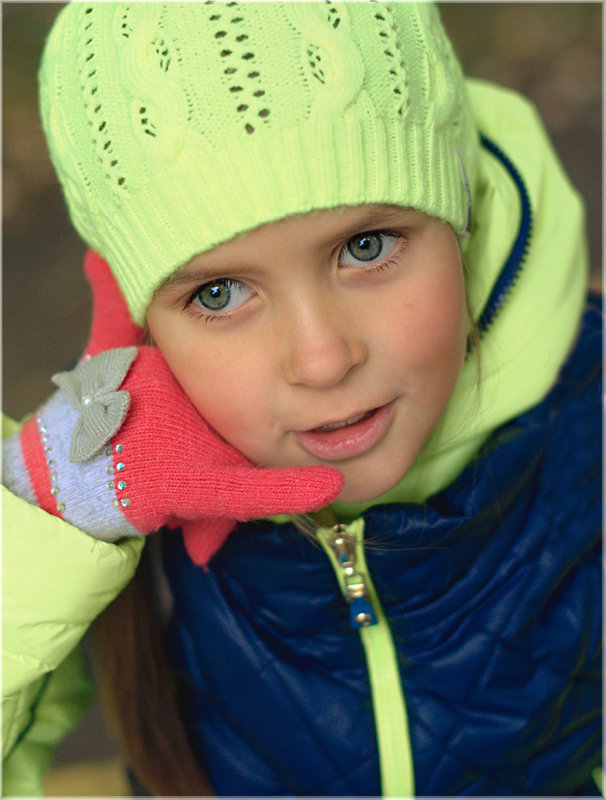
(331, 338)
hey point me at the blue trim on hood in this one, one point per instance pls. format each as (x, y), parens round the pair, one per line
(517, 255)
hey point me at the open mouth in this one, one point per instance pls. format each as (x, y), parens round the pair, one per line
(350, 437)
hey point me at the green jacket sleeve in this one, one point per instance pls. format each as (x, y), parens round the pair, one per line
(55, 581)
(51, 707)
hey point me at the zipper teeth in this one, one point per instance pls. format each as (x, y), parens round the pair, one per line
(517, 256)
(389, 707)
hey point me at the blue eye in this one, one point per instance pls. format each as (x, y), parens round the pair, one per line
(224, 294)
(365, 248)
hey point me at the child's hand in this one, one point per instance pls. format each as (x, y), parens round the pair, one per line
(120, 451)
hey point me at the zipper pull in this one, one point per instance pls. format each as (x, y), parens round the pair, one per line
(343, 544)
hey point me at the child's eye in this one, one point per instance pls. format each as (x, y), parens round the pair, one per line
(222, 295)
(364, 249)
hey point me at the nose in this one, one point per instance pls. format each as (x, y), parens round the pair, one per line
(321, 345)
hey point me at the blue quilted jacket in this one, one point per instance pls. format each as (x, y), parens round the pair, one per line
(492, 595)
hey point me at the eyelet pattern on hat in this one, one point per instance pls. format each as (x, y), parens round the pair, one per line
(175, 126)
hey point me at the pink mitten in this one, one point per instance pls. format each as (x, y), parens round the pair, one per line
(119, 450)
(112, 325)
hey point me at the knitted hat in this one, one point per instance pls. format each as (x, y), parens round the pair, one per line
(175, 126)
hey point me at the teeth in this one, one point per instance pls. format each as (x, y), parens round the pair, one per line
(335, 425)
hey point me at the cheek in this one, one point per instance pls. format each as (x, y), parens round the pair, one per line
(442, 329)
(428, 334)
(228, 390)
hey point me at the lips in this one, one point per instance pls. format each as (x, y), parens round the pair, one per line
(347, 438)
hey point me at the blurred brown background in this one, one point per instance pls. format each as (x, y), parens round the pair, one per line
(552, 52)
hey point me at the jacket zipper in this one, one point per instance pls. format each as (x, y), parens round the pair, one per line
(344, 545)
(517, 256)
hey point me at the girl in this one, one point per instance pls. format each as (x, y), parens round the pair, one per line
(339, 356)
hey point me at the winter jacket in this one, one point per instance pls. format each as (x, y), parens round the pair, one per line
(487, 608)
(445, 647)
(56, 580)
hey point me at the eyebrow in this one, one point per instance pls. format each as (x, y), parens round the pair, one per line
(184, 278)
(376, 220)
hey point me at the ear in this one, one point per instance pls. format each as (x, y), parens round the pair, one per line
(112, 325)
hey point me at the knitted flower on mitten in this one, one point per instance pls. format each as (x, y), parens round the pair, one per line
(119, 451)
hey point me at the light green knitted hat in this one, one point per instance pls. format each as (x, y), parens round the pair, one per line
(175, 126)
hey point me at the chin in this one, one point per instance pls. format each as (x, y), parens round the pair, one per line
(358, 491)
(370, 480)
